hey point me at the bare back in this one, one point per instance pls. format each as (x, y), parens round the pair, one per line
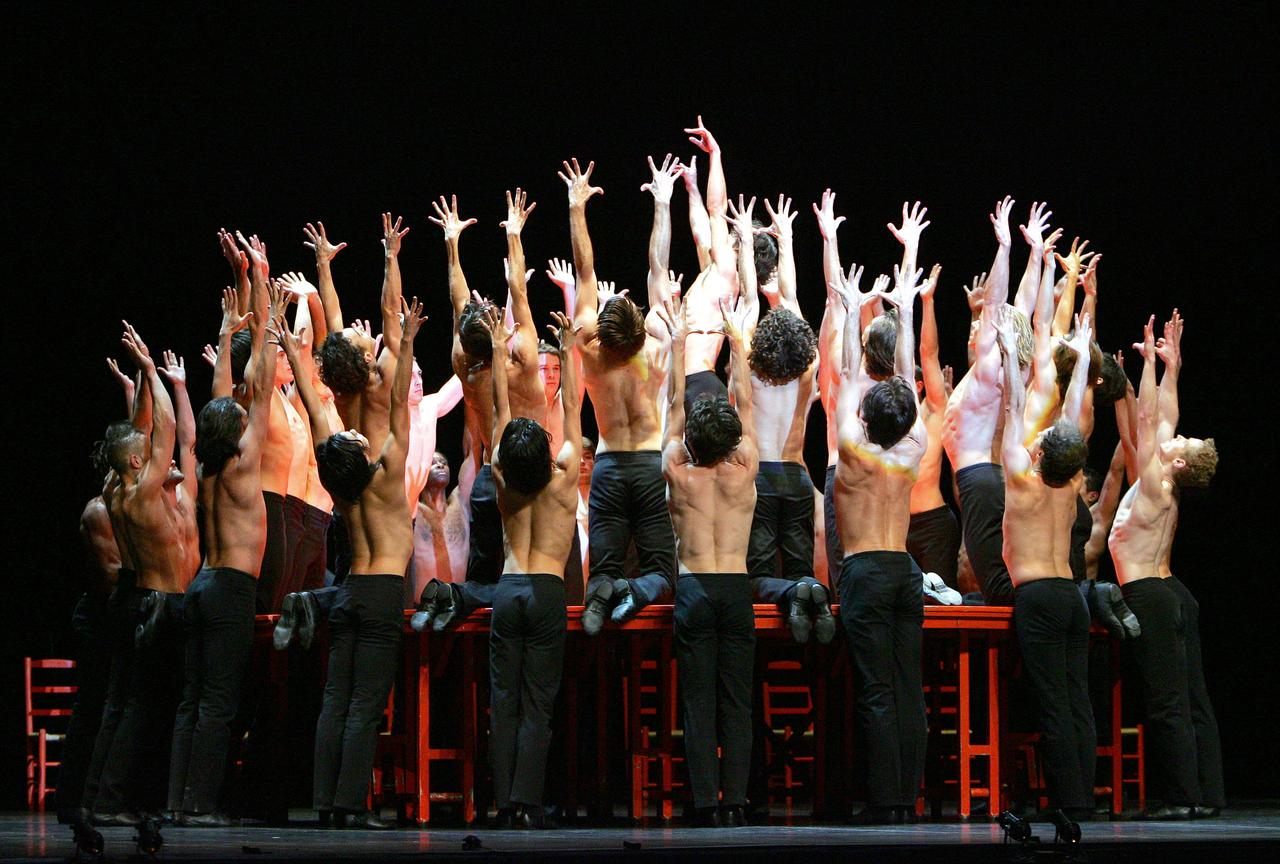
(703, 304)
(970, 423)
(158, 527)
(873, 492)
(926, 494)
(538, 529)
(1037, 526)
(712, 508)
(100, 546)
(1141, 538)
(235, 516)
(278, 448)
(625, 395)
(781, 416)
(379, 526)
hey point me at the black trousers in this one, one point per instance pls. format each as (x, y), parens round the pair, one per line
(629, 504)
(273, 580)
(715, 640)
(135, 773)
(219, 624)
(782, 526)
(526, 661)
(835, 549)
(122, 617)
(981, 490)
(485, 558)
(933, 539)
(312, 549)
(89, 627)
(364, 640)
(1080, 531)
(882, 607)
(1052, 623)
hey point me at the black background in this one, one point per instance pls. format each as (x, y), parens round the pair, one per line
(135, 136)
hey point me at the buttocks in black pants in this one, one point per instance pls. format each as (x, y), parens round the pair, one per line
(526, 661)
(715, 640)
(1052, 623)
(882, 609)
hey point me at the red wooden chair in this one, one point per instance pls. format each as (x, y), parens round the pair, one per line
(48, 696)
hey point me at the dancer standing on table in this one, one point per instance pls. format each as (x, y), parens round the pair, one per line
(1050, 617)
(882, 440)
(830, 337)
(1186, 756)
(367, 617)
(219, 607)
(538, 498)
(782, 358)
(620, 362)
(472, 358)
(709, 460)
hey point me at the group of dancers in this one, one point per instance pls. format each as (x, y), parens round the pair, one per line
(323, 421)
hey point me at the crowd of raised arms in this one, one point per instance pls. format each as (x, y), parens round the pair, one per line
(316, 419)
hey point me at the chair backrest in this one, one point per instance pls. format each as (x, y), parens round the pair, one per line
(47, 695)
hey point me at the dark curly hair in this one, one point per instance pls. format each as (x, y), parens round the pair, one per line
(782, 348)
(524, 455)
(344, 469)
(620, 328)
(343, 366)
(881, 344)
(711, 430)
(474, 338)
(889, 411)
(765, 248)
(1063, 453)
(1113, 386)
(218, 430)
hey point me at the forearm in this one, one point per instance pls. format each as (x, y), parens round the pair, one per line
(787, 273)
(1148, 413)
(584, 260)
(930, 367)
(164, 423)
(699, 226)
(186, 418)
(1066, 306)
(399, 415)
(459, 293)
(1011, 445)
(1028, 289)
(1073, 400)
(222, 383)
(659, 253)
(501, 402)
(997, 287)
(570, 398)
(526, 341)
(1168, 401)
(327, 296)
(904, 360)
(391, 292)
(140, 413)
(675, 394)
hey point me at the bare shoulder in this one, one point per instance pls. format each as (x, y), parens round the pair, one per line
(95, 514)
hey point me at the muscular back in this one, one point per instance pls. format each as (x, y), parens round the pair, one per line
(625, 395)
(712, 508)
(781, 416)
(703, 304)
(528, 398)
(926, 493)
(100, 544)
(158, 531)
(235, 517)
(1142, 534)
(380, 527)
(1037, 526)
(539, 528)
(873, 493)
(969, 424)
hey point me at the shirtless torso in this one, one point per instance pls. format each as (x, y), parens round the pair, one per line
(100, 545)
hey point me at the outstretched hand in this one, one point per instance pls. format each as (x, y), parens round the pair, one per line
(931, 284)
(1078, 341)
(689, 172)
(560, 272)
(735, 319)
(905, 287)
(1033, 231)
(605, 292)
(256, 251)
(318, 242)
(517, 213)
(782, 218)
(1076, 257)
(296, 285)
(411, 312)
(238, 260)
(1147, 347)
(174, 369)
(391, 234)
(564, 331)
(672, 314)
(828, 222)
(701, 136)
(740, 219)
(447, 218)
(974, 296)
(136, 347)
(664, 178)
(1090, 279)
(1006, 333)
(122, 379)
(1169, 346)
(1000, 221)
(579, 182)
(499, 333)
(278, 333)
(913, 225)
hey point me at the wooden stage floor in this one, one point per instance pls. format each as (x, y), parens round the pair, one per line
(1248, 832)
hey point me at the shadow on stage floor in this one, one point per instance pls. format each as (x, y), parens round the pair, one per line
(1245, 832)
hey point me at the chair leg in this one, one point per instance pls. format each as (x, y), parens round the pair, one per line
(43, 768)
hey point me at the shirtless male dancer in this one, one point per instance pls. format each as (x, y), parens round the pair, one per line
(1186, 755)
(219, 607)
(472, 359)
(709, 460)
(538, 498)
(882, 440)
(1050, 617)
(367, 616)
(152, 511)
(623, 372)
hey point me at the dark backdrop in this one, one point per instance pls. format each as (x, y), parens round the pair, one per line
(135, 137)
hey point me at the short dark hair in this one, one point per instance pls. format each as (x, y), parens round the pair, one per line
(524, 455)
(100, 453)
(545, 347)
(241, 349)
(1063, 453)
(889, 411)
(1092, 480)
(473, 336)
(881, 345)
(344, 469)
(343, 367)
(782, 347)
(620, 327)
(1114, 383)
(711, 430)
(765, 248)
(1064, 360)
(218, 431)
(121, 440)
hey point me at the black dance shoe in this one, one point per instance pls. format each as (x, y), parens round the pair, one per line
(798, 613)
(597, 607)
(153, 608)
(205, 820)
(706, 817)
(448, 606)
(1015, 828)
(1202, 812)
(1065, 829)
(1166, 813)
(504, 819)
(535, 819)
(295, 616)
(627, 606)
(364, 820)
(428, 606)
(732, 816)
(824, 622)
(123, 819)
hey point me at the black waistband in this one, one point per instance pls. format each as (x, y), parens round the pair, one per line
(531, 577)
(273, 497)
(1057, 583)
(398, 577)
(789, 469)
(628, 455)
(229, 572)
(876, 555)
(941, 512)
(980, 468)
(715, 575)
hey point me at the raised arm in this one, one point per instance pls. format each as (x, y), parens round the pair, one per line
(580, 192)
(239, 263)
(935, 387)
(453, 226)
(561, 273)
(1033, 233)
(1071, 265)
(1089, 282)
(833, 315)
(740, 222)
(396, 447)
(392, 234)
(232, 323)
(163, 431)
(906, 287)
(660, 186)
(781, 228)
(1044, 383)
(997, 293)
(126, 384)
(1150, 473)
(175, 369)
(309, 328)
(263, 383)
(735, 331)
(1169, 350)
(1073, 400)
(913, 225)
(717, 199)
(500, 336)
(1013, 452)
(570, 454)
(524, 350)
(319, 243)
(699, 223)
(852, 377)
(288, 341)
(673, 315)
(256, 251)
